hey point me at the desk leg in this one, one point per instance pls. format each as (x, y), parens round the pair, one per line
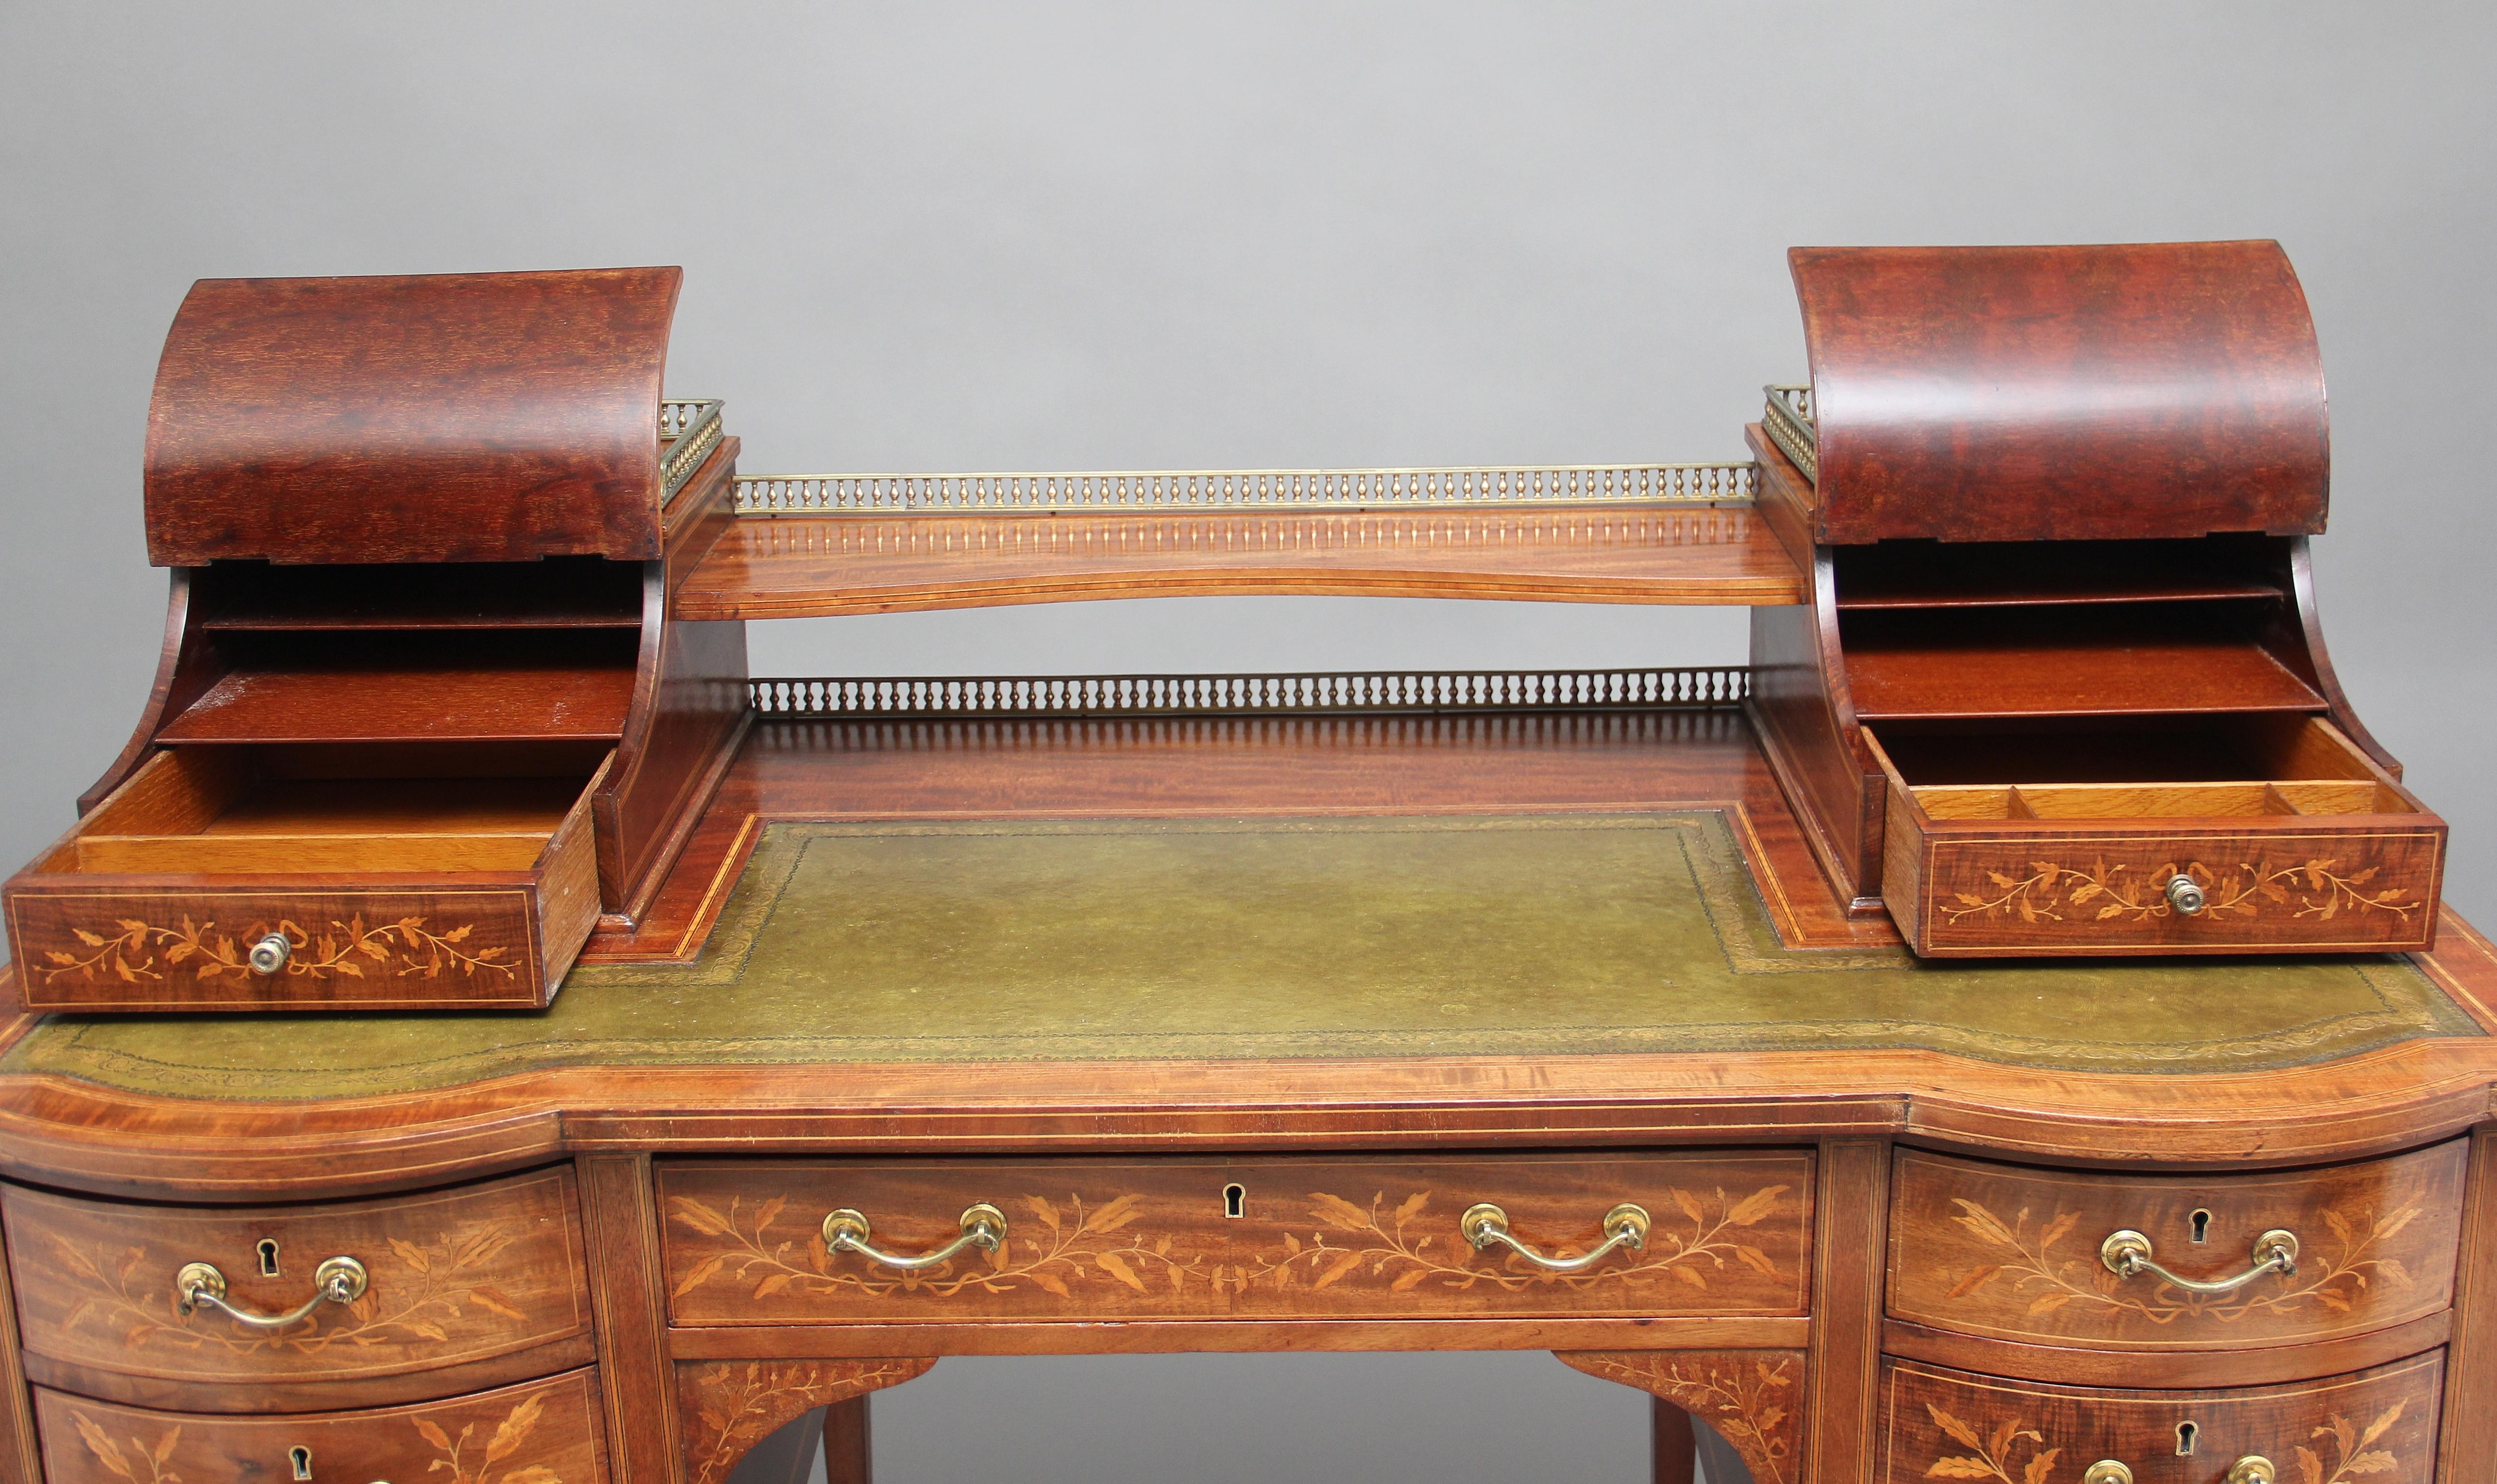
(620, 1207)
(1675, 1449)
(1850, 1254)
(848, 1457)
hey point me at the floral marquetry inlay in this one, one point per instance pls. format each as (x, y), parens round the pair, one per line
(133, 951)
(1406, 1247)
(414, 1293)
(2055, 892)
(1752, 1398)
(2331, 1274)
(727, 1407)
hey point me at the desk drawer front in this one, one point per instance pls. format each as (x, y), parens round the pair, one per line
(1726, 1234)
(542, 1433)
(191, 949)
(2015, 1253)
(2377, 1425)
(453, 1278)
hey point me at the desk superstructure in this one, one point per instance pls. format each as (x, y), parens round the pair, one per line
(2006, 1032)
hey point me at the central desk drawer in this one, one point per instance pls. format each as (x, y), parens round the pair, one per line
(1716, 1233)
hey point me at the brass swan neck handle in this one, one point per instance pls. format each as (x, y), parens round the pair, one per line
(2126, 1254)
(984, 1226)
(1487, 1225)
(337, 1280)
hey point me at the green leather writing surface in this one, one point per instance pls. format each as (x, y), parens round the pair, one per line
(1399, 937)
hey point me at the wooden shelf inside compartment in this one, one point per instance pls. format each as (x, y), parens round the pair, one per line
(807, 566)
(562, 592)
(2168, 658)
(1923, 574)
(569, 685)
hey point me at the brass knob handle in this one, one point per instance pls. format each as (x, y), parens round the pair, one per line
(2253, 1469)
(2127, 1252)
(984, 1226)
(268, 954)
(2185, 894)
(337, 1280)
(2106, 1470)
(1486, 1225)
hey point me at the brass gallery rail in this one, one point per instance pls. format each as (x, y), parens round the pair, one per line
(1684, 687)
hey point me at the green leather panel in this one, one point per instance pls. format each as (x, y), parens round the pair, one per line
(1440, 935)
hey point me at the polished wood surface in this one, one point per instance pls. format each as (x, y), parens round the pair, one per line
(1141, 1240)
(810, 566)
(2013, 1253)
(463, 417)
(2377, 1424)
(467, 1288)
(2038, 393)
(541, 1432)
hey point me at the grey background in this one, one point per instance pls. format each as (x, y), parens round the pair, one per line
(1095, 236)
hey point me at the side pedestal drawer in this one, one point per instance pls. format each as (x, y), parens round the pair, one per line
(541, 1432)
(1722, 1234)
(2378, 1424)
(2019, 1254)
(463, 1289)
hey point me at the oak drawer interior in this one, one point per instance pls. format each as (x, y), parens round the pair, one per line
(291, 810)
(2152, 768)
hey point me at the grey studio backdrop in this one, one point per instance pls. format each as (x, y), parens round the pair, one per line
(1084, 236)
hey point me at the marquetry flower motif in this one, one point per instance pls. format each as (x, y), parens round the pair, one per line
(468, 1463)
(2355, 1449)
(731, 1406)
(1377, 1242)
(405, 1304)
(2032, 1268)
(1750, 1400)
(141, 1456)
(1995, 1456)
(137, 951)
(2104, 892)
(1071, 1245)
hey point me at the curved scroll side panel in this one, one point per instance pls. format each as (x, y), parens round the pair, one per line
(726, 1407)
(457, 417)
(2024, 393)
(1752, 1398)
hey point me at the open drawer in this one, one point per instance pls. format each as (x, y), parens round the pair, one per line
(2230, 834)
(287, 878)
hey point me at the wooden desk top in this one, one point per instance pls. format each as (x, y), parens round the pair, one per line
(1322, 932)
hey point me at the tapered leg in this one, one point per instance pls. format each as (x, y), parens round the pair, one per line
(847, 1455)
(1675, 1449)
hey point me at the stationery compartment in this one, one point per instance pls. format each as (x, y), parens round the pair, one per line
(2151, 834)
(273, 876)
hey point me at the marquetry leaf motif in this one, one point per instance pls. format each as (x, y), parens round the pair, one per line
(1074, 1243)
(1748, 1397)
(2044, 1283)
(1384, 1250)
(2311, 888)
(1990, 1457)
(141, 950)
(411, 1296)
(729, 1406)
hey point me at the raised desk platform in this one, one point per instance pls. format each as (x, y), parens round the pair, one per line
(1106, 969)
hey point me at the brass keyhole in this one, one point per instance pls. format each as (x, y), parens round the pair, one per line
(1235, 1200)
(2186, 1435)
(2201, 1226)
(301, 1459)
(268, 1259)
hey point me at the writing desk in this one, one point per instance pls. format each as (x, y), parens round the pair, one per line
(1366, 970)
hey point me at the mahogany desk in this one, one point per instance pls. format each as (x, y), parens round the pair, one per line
(1346, 976)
